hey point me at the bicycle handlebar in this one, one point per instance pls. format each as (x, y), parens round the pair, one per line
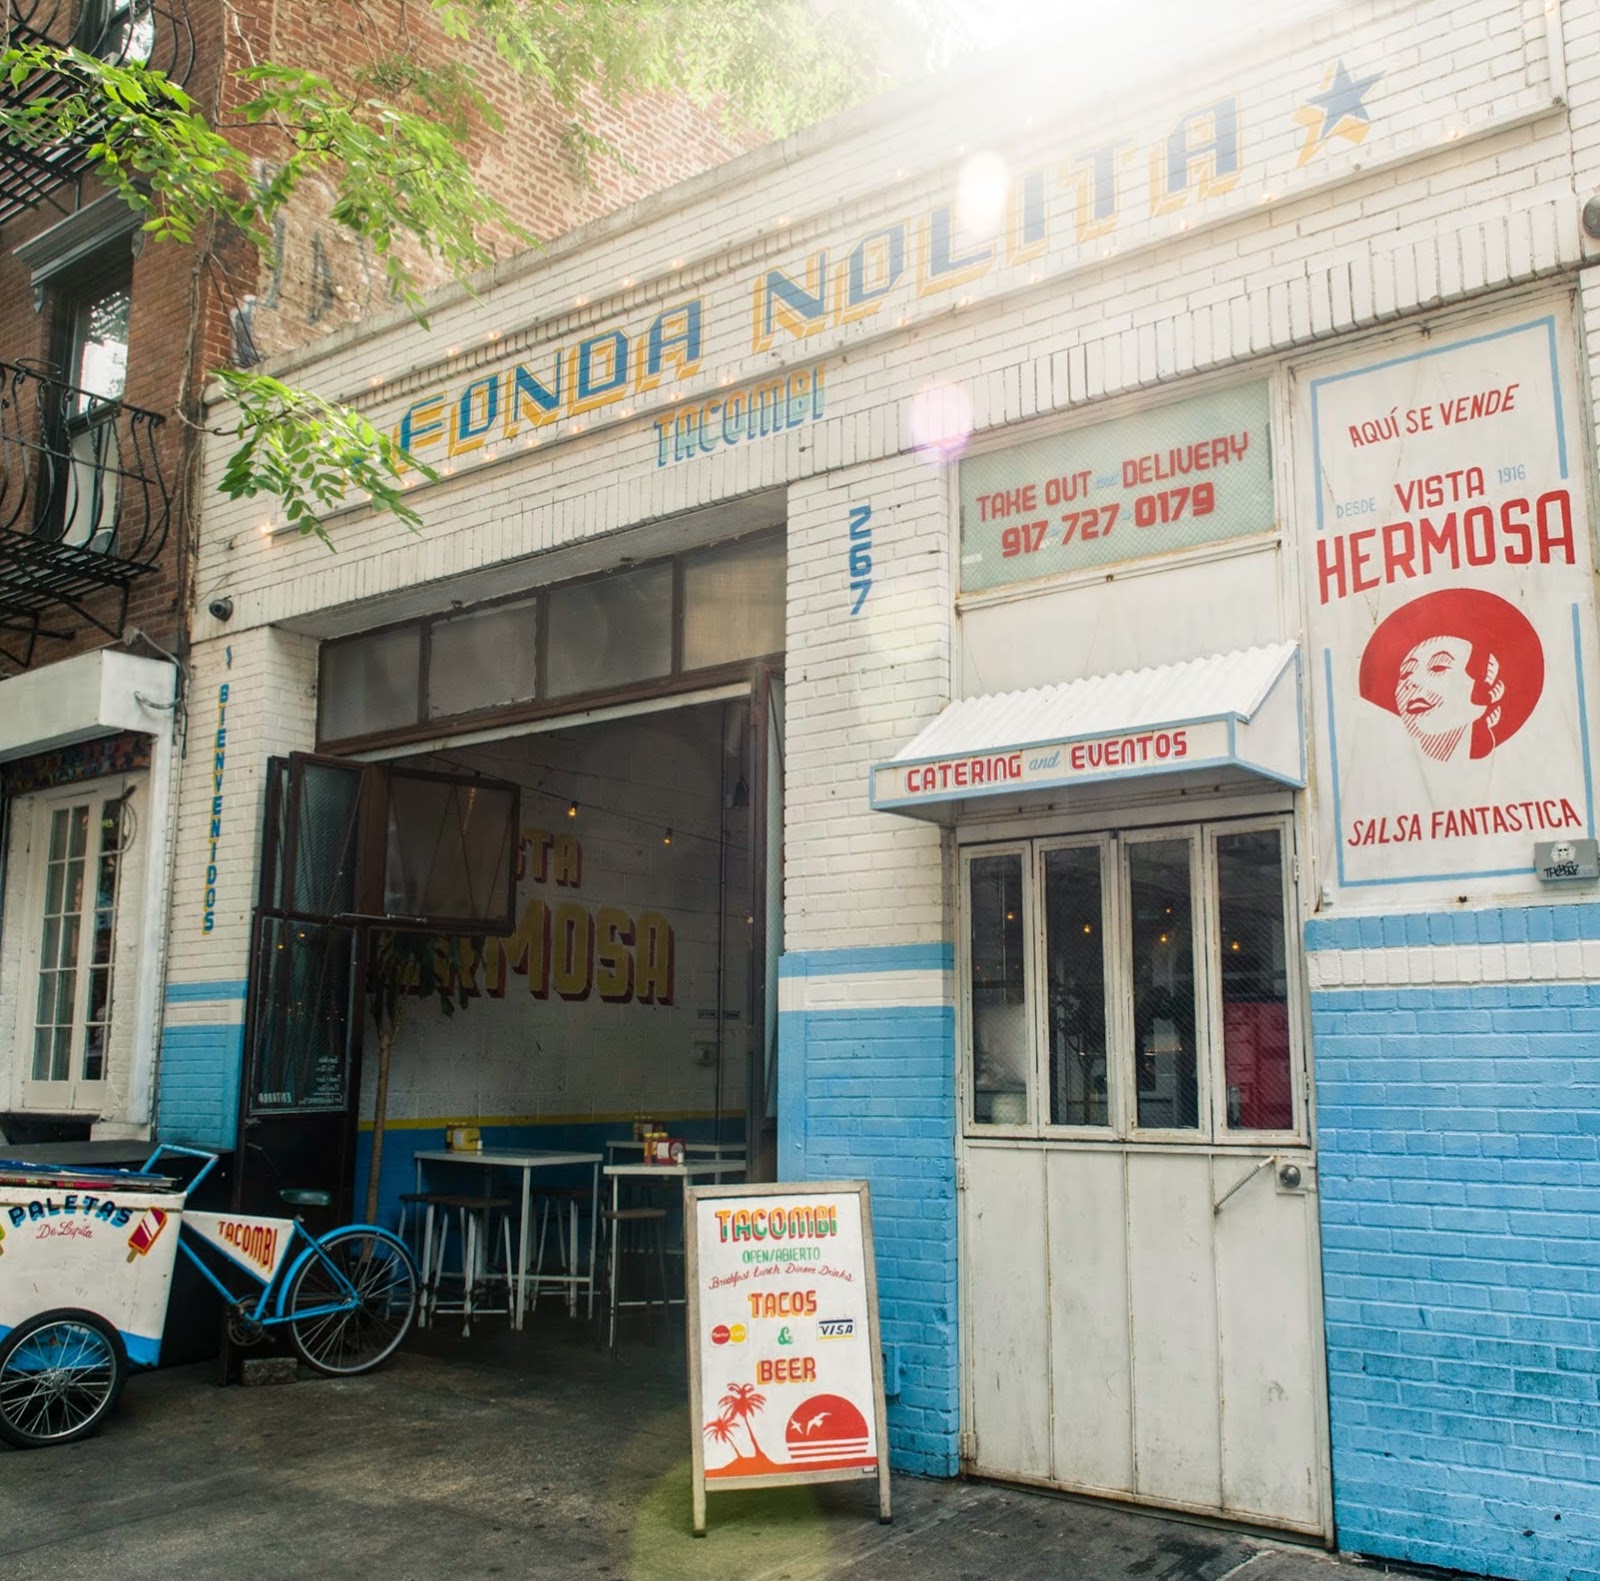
(172, 1149)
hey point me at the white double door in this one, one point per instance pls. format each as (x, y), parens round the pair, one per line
(1123, 1336)
(1141, 1292)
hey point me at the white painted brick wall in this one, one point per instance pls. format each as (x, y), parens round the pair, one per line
(858, 686)
(1470, 180)
(271, 679)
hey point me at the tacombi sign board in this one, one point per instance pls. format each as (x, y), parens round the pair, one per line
(259, 1245)
(1450, 602)
(88, 1244)
(785, 1373)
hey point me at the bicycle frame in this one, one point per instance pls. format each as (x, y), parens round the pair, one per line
(260, 1249)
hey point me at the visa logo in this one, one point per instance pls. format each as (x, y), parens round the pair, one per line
(836, 1328)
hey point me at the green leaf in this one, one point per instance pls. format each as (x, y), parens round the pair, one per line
(394, 138)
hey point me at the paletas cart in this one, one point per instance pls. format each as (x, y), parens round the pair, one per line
(86, 1262)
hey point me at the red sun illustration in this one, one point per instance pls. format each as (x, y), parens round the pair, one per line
(827, 1430)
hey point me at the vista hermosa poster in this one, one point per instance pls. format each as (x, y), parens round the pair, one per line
(1448, 607)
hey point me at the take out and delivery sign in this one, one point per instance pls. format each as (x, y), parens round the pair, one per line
(785, 1374)
(1175, 477)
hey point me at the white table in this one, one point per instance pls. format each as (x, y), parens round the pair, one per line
(689, 1169)
(709, 1149)
(527, 1160)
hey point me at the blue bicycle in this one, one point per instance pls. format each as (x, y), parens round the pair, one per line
(99, 1247)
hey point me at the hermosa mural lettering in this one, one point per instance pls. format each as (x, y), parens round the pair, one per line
(564, 947)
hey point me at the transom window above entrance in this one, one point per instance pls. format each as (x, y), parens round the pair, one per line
(643, 630)
(1136, 984)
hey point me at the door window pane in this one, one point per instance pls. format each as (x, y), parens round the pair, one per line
(97, 1025)
(1075, 983)
(100, 351)
(306, 982)
(324, 826)
(58, 944)
(1162, 945)
(77, 941)
(611, 631)
(999, 1008)
(1254, 978)
(370, 683)
(482, 660)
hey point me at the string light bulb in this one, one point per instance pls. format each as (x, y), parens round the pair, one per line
(666, 838)
(572, 810)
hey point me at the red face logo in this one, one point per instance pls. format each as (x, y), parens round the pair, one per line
(1461, 669)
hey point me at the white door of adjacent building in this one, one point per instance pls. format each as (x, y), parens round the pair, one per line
(67, 955)
(1141, 1293)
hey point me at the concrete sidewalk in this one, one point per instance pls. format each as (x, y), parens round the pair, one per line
(514, 1456)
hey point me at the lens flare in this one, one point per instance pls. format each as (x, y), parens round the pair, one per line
(941, 422)
(981, 190)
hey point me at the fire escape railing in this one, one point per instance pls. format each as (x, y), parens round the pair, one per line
(84, 508)
(122, 31)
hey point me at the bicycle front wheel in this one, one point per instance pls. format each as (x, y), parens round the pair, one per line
(350, 1321)
(60, 1374)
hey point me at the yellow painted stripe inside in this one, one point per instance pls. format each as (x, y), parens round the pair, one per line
(485, 1121)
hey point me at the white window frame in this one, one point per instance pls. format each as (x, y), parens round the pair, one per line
(75, 1095)
(1122, 1125)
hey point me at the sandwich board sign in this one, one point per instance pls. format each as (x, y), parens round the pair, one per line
(785, 1366)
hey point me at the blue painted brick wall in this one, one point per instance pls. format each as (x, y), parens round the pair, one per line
(871, 1095)
(1459, 1153)
(197, 1094)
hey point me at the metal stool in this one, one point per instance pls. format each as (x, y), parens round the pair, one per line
(476, 1232)
(564, 1207)
(617, 1221)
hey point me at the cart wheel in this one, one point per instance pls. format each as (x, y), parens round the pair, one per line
(60, 1374)
(340, 1338)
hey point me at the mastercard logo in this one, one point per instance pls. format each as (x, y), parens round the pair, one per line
(722, 1334)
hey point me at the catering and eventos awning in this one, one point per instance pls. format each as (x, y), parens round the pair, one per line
(1225, 718)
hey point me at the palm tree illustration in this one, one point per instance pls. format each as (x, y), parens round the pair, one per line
(720, 1431)
(740, 1403)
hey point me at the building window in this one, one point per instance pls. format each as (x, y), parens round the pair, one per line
(79, 838)
(641, 627)
(1136, 986)
(89, 332)
(96, 323)
(123, 31)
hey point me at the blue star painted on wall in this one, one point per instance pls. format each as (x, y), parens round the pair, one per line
(1340, 110)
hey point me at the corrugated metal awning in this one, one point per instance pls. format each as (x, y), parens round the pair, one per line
(1238, 713)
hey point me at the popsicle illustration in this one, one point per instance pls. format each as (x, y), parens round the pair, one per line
(150, 1225)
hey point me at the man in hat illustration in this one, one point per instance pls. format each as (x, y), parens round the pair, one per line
(1462, 670)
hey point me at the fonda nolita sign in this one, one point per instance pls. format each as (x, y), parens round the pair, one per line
(785, 1370)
